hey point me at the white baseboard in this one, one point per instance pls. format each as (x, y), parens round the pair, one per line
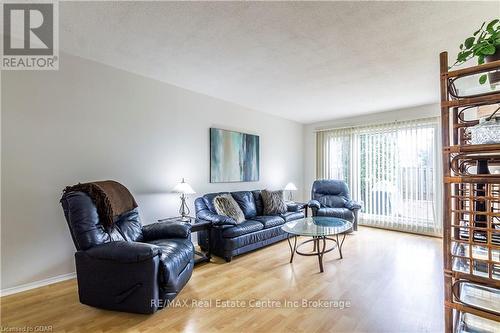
(36, 284)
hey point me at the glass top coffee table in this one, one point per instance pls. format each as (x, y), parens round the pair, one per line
(319, 228)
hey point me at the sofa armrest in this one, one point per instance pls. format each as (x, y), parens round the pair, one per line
(292, 207)
(314, 204)
(124, 252)
(353, 205)
(215, 218)
(162, 230)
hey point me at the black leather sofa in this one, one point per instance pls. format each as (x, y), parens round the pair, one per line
(128, 267)
(230, 239)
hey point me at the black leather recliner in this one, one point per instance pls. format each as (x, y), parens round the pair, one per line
(332, 198)
(128, 267)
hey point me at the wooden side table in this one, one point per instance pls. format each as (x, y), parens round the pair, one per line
(195, 227)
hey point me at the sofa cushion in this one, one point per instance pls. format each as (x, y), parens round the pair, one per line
(209, 200)
(258, 239)
(246, 202)
(290, 216)
(342, 213)
(225, 205)
(259, 205)
(329, 187)
(242, 229)
(333, 201)
(269, 221)
(274, 202)
(175, 255)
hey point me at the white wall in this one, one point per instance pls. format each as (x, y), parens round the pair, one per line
(89, 121)
(431, 110)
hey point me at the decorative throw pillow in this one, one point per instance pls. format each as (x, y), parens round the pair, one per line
(226, 205)
(274, 202)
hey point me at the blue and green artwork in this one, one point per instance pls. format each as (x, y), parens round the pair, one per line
(234, 156)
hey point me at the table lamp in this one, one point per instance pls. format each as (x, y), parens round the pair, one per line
(184, 189)
(290, 187)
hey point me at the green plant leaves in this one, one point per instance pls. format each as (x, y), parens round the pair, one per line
(491, 25)
(469, 42)
(488, 50)
(482, 79)
(485, 41)
(462, 56)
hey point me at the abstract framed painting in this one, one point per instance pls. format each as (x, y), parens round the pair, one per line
(234, 156)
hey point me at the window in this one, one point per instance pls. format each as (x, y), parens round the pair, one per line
(392, 168)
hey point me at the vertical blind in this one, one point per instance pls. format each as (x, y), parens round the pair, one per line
(393, 168)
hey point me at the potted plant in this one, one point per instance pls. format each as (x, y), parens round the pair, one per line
(485, 45)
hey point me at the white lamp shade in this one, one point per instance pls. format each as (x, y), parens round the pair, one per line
(290, 187)
(184, 188)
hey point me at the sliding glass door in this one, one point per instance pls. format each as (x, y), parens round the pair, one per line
(392, 168)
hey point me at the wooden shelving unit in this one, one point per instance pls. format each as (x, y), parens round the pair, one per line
(471, 208)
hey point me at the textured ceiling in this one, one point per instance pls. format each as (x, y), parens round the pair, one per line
(305, 61)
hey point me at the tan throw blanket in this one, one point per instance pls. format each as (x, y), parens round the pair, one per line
(110, 198)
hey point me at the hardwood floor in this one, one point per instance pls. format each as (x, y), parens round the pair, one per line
(392, 281)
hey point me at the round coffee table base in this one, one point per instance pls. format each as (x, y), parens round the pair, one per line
(319, 247)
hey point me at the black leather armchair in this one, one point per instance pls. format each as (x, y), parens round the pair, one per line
(127, 267)
(332, 198)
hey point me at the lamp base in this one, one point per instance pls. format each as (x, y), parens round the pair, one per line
(185, 219)
(184, 210)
